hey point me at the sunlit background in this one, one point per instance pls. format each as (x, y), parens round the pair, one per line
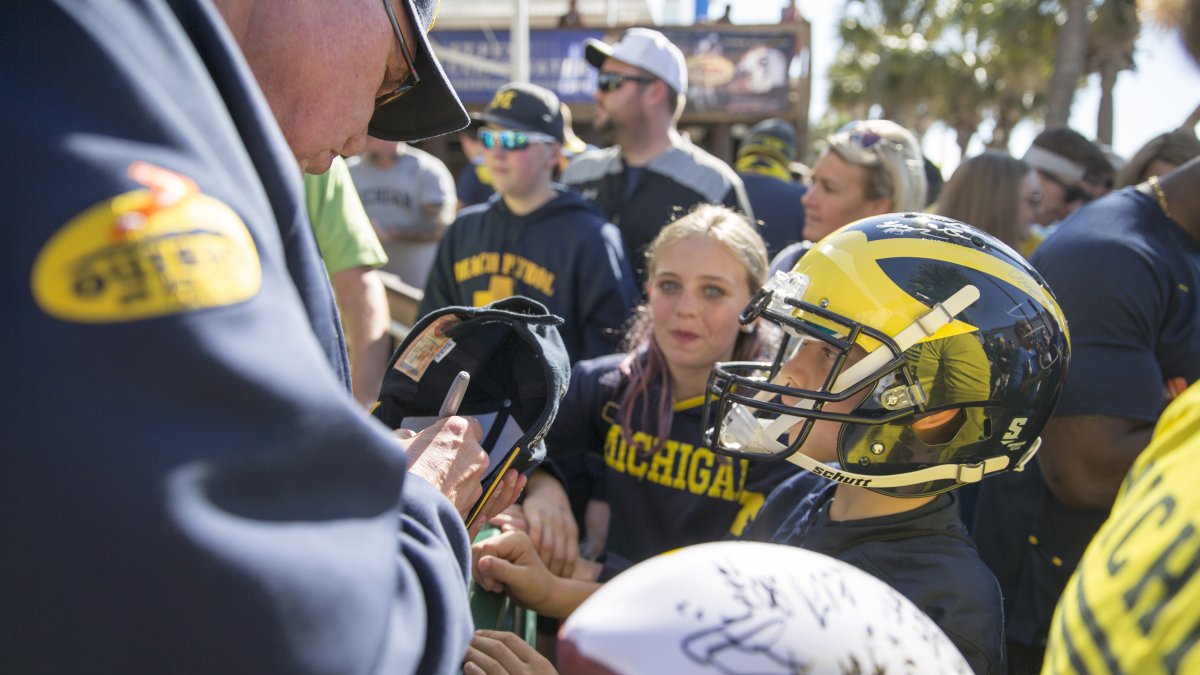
(1157, 96)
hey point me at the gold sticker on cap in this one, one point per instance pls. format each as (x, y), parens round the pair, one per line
(163, 250)
(431, 346)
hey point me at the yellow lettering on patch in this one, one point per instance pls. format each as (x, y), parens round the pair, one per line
(153, 252)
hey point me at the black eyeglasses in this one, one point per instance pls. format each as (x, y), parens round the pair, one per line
(413, 79)
(610, 81)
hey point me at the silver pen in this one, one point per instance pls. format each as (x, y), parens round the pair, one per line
(454, 397)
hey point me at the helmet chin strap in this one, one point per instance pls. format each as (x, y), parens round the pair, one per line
(962, 473)
(762, 433)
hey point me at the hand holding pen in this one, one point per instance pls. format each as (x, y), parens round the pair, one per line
(448, 455)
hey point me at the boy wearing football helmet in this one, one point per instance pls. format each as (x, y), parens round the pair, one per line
(920, 354)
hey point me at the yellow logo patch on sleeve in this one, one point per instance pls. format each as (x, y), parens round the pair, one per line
(152, 252)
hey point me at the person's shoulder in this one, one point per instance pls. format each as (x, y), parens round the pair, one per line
(1121, 226)
(770, 187)
(470, 218)
(696, 169)
(570, 205)
(1113, 216)
(360, 168)
(596, 380)
(420, 155)
(592, 165)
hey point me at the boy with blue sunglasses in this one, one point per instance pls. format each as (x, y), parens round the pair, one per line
(534, 237)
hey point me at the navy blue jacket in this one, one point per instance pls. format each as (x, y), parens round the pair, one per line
(924, 554)
(777, 206)
(1125, 276)
(188, 486)
(565, 255)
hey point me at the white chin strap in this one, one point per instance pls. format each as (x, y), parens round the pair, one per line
(741, 430)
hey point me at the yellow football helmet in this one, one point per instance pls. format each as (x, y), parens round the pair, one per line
(951, 320)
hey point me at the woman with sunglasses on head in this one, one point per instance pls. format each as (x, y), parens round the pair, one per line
(534, 238)
(869, 167)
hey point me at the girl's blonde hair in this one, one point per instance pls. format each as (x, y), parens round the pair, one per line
(645, 363)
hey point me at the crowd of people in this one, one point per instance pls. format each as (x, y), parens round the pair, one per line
(845, 415)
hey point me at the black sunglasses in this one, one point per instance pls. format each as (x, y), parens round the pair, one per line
(609, 81)
(1071, 193)
(413, 79)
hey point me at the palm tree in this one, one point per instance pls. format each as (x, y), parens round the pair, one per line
(971, 62)
(1069, 60)
(887, 65)
(1020, 36)
(1110, 50)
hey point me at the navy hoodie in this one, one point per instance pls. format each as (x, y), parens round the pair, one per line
(565, 255)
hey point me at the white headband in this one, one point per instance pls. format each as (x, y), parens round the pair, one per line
(1045, 160)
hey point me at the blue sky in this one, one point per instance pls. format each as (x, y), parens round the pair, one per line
(1158, 96)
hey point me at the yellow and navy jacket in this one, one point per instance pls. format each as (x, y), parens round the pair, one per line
(188, 485)
(1131, 605)
(668, 187)
(683, 494)
(777, 207)
(564, 255)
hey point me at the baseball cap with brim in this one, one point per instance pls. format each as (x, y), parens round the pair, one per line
(647, 49)
(518, 370)
(432, 108)
(527, 107)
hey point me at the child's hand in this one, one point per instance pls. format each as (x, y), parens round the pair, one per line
(509, 563)
(550, 523)
(503, 652)
(512, 518)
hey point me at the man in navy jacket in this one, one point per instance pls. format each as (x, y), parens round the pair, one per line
(188, 484)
